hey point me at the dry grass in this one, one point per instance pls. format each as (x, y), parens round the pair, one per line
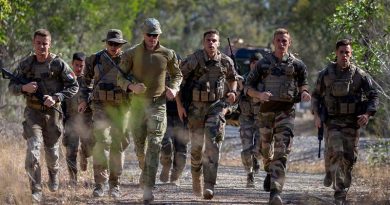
(376, 178)
(315, 167)
(15, 188)
(14, 184)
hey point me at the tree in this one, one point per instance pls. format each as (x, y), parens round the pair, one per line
(366, 22)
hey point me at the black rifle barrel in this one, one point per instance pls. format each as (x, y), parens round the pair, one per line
(38, 95)
(232, 55)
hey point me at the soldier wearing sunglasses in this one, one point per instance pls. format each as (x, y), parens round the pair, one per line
(109, 115)
(148, 64)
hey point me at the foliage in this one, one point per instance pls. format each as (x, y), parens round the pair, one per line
(80, 25)
(366, 22)
(379, 153)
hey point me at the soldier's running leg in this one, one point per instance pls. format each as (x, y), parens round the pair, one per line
(71, 143)
(87, 141)
(197, 140)
(214, 135)
(139, 133)
(343, 140)
(266, 124)
(180, 141)
(167, 151)
(32, 132)
(100, 151)
(328, 176)
(277, 165)
(246, 136)
(156, 127)
(51, 135)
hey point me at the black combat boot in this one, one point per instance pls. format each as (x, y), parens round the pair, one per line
(115, 191)
(36, 196)
(328, 179)
(274, 198)
(340, 197)
(53, 181)
(174, 178)
(98, 191)
(208, 192)
(267, 183)
(250, 180)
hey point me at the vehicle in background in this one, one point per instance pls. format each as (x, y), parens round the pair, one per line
(242, 56)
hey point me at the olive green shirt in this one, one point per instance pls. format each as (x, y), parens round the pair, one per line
(150, 68)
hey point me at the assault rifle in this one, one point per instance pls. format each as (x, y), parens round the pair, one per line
(232, 56)
(322, 114)
(320, 138)
(39, 95)
(214, 107)
(127, 77)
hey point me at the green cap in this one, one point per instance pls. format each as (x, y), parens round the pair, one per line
(152, 26)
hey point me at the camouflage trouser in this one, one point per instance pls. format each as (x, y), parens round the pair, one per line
(276, 131)
(342, 149)
(41, 126)
(148, 124)
(326, 155)
(78, 130)
(111, 140)
(174, 145)
(249, 135)
(211, 132)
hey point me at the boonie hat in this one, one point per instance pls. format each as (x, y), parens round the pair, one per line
(115, 35)
(152, 26)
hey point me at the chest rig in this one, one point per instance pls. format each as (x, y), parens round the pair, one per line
(209, 80)
(73, 102)
(341, 90)
(47, 75)
(279, 79)
(105, 76)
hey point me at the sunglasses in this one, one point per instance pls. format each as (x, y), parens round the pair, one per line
(114, 44)
(152, 35)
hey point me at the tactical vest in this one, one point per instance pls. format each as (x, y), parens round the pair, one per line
(209, 79)
(73, 102)
(48, 77)
(106, 89)
(280, 80)
(342, 92)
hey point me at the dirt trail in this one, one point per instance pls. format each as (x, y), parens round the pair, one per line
(300, 188)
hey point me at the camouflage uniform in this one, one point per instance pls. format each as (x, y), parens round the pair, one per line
(276, 117)
(110, 115)
(342, 93)
(78, 128)
(207, 126)
(173, 145)
(43, 124)
(148, 110)
(249, 134)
